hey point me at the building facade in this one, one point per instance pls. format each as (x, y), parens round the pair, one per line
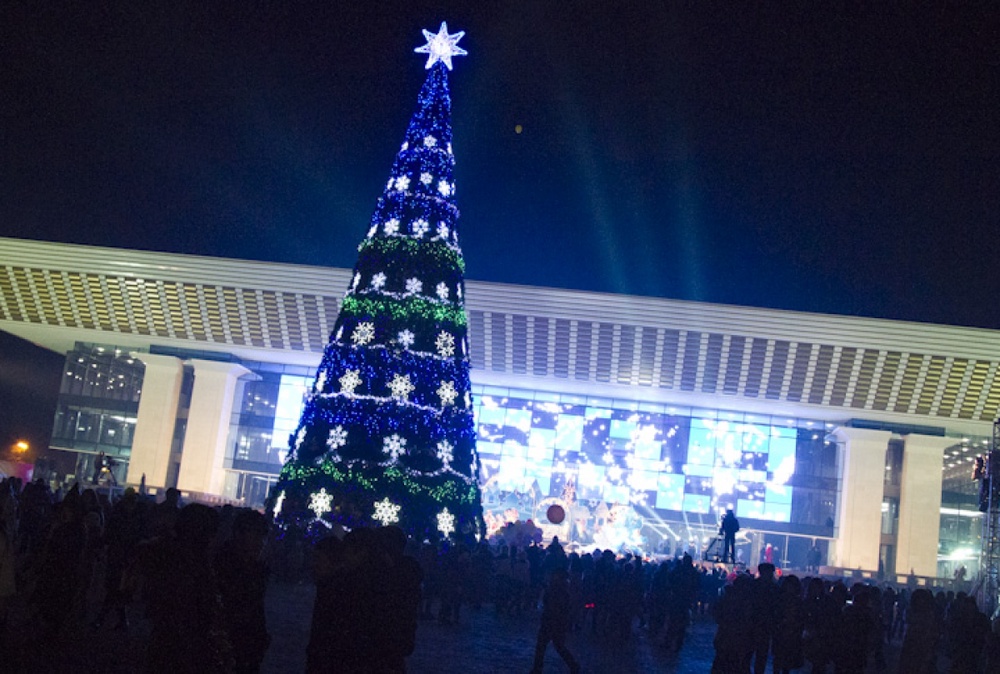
(644, 418)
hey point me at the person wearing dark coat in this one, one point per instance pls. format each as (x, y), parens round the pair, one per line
(919, 653)
(822, 621)
(733, 614)
(730, 525)
(187, 634)
(765, 605)
(348, 606)
(242, 577)
(396, 625)
(787, 639)
(857, 631)
(969, 629)
(683, 583)
(555, 622)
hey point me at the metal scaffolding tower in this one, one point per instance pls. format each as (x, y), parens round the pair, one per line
(988, 587)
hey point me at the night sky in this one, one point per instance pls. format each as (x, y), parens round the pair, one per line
(793, 155)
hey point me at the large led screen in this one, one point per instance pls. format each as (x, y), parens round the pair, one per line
(661, 461)
(609, 468)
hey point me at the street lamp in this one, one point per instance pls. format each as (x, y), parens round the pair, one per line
(21, 446)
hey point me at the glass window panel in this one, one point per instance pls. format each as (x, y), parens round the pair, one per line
(670, 492)
(694, 503)
(616, 493)
(749, 508)
(589, 475)
(781, 450)
(778, 512)
(519, 419)
(487, 448)
(623, 429)
(514, 450)
(778, 495)
(643, 480)
(698, 470)
(491, 415)
(569, 432)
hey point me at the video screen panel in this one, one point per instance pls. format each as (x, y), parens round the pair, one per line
(679, 463)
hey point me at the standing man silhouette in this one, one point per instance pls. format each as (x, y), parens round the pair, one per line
(730, 525)
(556, 608)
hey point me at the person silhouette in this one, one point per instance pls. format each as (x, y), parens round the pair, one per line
(728, 528)
(555, 622)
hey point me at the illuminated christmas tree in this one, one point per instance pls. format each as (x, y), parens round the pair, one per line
(387, 430)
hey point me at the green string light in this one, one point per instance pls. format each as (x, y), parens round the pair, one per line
(397, 246)
(404, 309)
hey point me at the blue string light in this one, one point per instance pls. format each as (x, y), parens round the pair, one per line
(390, 415)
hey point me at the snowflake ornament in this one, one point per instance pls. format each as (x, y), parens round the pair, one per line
(420, 227)
(430, 141)
(337, 439)
(446, 391)
(401, 387)
(426, 178)
(445, 452)
(320, 502)
(414, 286)
(349, 382)
(378, 281)
(442, 290)
(363, 333)
(445, 344)
(444, 188)
(394, 446)
(320, 381)
(405, 339)
(278, 502)
(446, 523)
(441, 46)
(443, 230)
(386, 512)
(403, 183)
(391, 226)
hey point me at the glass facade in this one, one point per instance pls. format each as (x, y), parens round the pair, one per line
(630, 472)
(960, 533)
(266, 415)
(651, 476)
(625, 473)
(97, 410)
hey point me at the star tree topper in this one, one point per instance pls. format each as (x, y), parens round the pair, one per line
(441, 47)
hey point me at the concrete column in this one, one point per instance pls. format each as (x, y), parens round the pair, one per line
(920, 504)
(202, 461)
(859, 523)
(154, 426)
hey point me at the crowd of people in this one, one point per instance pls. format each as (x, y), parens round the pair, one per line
(200, 573)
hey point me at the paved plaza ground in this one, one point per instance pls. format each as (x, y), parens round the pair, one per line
(485, 643)
(482, 643)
